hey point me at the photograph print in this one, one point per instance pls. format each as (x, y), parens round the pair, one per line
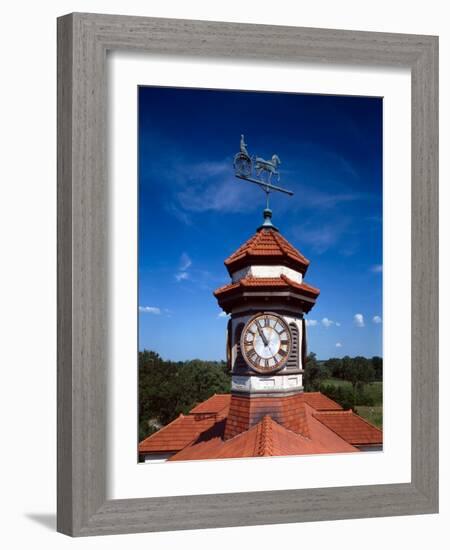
(259, 273)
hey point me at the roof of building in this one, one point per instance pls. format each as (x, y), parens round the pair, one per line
(215, 404)
(351, 427)
(322, 427)
(251, 287)
(267, 246)
(267, 283)
(320, 402)
(266, 438)
(186, 428)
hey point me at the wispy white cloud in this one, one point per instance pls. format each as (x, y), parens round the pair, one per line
(376, 319)
(178, 213)
(222, 314)
(320, 199)
(196, 187)
(338, 345)
(210, 186)
(181, 276)
(185, 264)
(329, 322)
(322, 237)
(377, 268)
(358, 320)
(150, 309)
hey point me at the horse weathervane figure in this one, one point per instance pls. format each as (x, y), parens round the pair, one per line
(245, 166)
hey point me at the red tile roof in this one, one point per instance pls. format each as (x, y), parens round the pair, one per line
(266, 438)
(267, 246)
(350, 427)
(179, 433)
(268, 283)
(320, 402)
(215, 404)
(226, 426)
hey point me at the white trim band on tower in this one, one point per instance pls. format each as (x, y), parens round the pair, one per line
(263, 384)
(266, 271)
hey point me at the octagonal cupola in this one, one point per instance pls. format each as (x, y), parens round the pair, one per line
(267, 268)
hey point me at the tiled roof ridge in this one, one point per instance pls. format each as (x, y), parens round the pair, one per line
(264, 444)
(242, 250)
(265, 439)
(285, 245)
(337, 412)
(302, 285)
(304, 434)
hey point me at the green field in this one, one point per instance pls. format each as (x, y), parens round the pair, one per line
(374, 389)
(374, 413)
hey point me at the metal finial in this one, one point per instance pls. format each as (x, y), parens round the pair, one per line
(267, 223)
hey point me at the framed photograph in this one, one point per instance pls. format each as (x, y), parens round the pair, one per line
(263, 393)
(247, 274)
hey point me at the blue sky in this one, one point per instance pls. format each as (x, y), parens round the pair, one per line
(193, 212)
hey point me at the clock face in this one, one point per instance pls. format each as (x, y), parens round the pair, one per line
(266, 342)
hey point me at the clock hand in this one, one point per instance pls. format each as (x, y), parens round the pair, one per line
(263, 336)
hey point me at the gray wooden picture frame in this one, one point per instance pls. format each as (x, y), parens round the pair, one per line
(83, 41)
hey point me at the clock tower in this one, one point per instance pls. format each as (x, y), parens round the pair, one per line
(266, 336)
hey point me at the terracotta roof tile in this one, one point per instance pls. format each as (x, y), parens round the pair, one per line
(350, 427)
(320, 402)
(218, 403)
(266, 438)
(267, 283)
(226, 426)
(267, 246)
(179, 433)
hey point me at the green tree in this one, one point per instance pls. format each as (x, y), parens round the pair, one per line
(313, 374)
(377, 364)
(358, 371)
(334, 365)
(168, 388)
(341, 394)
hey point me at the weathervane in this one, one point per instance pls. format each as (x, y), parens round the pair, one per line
(253, 169)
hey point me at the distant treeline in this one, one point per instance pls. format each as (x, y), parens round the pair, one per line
(359, 373)
(168, 388)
